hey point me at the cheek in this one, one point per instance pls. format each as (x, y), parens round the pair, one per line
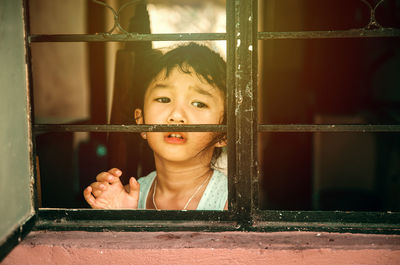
(202, 138)
(154, 135)
(217, 115)
(151, 138)
(214, 117)
(152, 116)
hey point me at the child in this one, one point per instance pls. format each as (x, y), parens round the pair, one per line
(187, 87)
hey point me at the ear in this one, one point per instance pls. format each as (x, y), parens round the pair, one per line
(138, 116)
(139, 120)
(221, 143)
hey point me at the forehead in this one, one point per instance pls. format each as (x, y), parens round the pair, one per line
(188, 79)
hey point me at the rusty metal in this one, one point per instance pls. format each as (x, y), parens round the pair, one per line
(245, 108)
(230, 97)
(116, 14)
(327, 128)
(105, 37)
(373, 23)
(334, 34)
(38, 128)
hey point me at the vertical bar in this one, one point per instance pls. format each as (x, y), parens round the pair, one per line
(28, 58)
(230, 84)
(245, 108)
(97, 71)
(254, 76)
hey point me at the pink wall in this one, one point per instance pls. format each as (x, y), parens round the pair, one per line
(205, 248)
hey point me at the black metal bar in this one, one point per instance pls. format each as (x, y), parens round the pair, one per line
(329, 216)
(245, 98)
(354, 33)
(327, 128)
(64, 214)
(134, 220)
(126, 37)
(104, 37)
(328, 221)
(30, 111)
(230, 84)
(97, 74)
(38, 128)
(264, 221)
(378, 228)
(135, 226)
(254, 51)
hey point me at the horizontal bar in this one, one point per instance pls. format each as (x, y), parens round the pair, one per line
(134, 220)
(356, 228)
(353, 33)
(327, 128)
(91, 214)
(340, 217)
(134, 226)
(214, 128)
(263, 221)
(104, 37)
(37, 128)
(327, 221)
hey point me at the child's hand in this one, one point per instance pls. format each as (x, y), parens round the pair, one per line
(109, 193)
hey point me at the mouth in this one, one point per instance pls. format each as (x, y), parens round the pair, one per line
(175, 138)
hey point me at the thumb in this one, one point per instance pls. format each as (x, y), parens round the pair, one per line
(134, 188)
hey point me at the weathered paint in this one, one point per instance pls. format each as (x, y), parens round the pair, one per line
(16, 174)
(205, 248)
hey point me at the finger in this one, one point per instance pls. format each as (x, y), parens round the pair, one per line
(99, 186)
(134, 188)
(105, 177)
(87, 194)
(116, 172)
(97, 193)
(90, 199)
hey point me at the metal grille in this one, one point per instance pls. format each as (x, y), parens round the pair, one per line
(242, 129)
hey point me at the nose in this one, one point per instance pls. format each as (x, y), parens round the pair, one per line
(177, 115)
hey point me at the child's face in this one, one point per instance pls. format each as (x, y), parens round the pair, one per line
(181, 99)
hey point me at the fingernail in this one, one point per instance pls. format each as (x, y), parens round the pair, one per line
(102, 186)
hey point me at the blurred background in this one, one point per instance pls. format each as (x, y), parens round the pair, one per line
(320, 81)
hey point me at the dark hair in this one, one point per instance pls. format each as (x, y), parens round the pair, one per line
(206, 63)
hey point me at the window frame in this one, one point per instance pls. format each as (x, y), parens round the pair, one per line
(19, 210)
(242, 129)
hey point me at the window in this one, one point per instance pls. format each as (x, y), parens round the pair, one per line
(310, 115)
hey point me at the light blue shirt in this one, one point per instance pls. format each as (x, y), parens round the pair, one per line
(214, 197)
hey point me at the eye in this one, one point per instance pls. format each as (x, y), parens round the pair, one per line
(163, 100)
(200, 105)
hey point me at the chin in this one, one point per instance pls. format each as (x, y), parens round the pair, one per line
(180, 158)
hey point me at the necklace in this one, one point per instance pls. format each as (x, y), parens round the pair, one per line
(191, 197)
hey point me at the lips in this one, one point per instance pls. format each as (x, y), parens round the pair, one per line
(175, 138)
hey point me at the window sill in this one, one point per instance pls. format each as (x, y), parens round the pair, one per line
(78, 247)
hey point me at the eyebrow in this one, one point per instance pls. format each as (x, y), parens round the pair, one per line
(197, 89)
(201, 91)
(161, 85)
